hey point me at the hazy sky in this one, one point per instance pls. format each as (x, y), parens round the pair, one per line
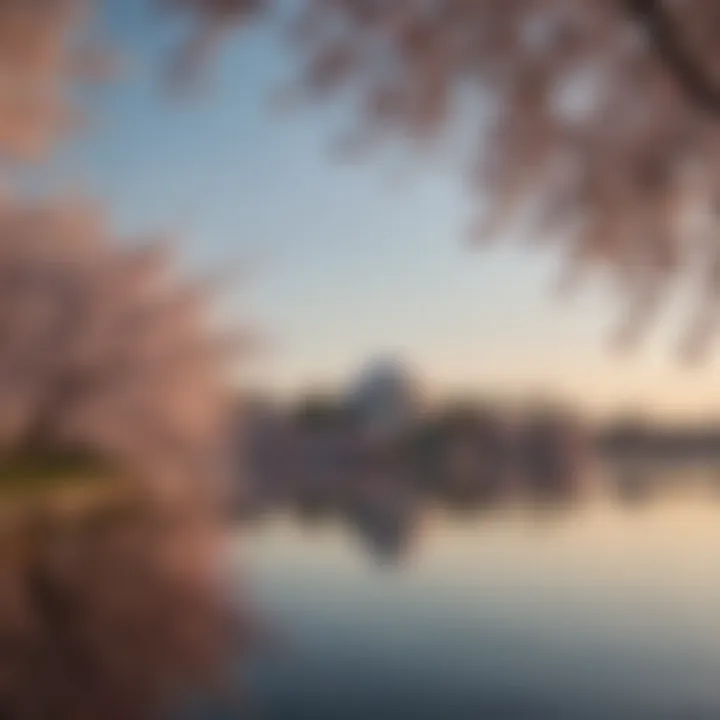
(348, 260)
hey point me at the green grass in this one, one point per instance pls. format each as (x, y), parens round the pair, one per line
(38, 473)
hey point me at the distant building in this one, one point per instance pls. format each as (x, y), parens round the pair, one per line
(386, 399)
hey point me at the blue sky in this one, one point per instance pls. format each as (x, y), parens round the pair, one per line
(346, 261)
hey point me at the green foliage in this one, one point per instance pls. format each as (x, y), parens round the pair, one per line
(32, 473)
(320, 410)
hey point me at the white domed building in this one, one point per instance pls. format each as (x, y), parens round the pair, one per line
(386, 399)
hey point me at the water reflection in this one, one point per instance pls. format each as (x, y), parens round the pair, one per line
(388, 527)
(110, 607)
(387, 509)
(594, 603)
(528, 573)
(118, 609)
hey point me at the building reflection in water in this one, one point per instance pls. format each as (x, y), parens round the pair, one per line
(378, 455)
(390, 515)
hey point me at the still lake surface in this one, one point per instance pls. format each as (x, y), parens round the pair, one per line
(596, 609)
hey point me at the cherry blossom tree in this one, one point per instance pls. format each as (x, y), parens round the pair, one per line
(107, 353)
(599, 118)
(105, 350)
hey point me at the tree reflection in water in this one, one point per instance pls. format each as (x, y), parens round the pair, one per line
(110, 609)
(388, 512)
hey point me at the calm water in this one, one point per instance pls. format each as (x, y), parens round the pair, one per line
(597, 610)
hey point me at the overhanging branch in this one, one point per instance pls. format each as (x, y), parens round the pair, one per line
(688, 71)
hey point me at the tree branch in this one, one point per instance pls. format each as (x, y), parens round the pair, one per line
(696, 84)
